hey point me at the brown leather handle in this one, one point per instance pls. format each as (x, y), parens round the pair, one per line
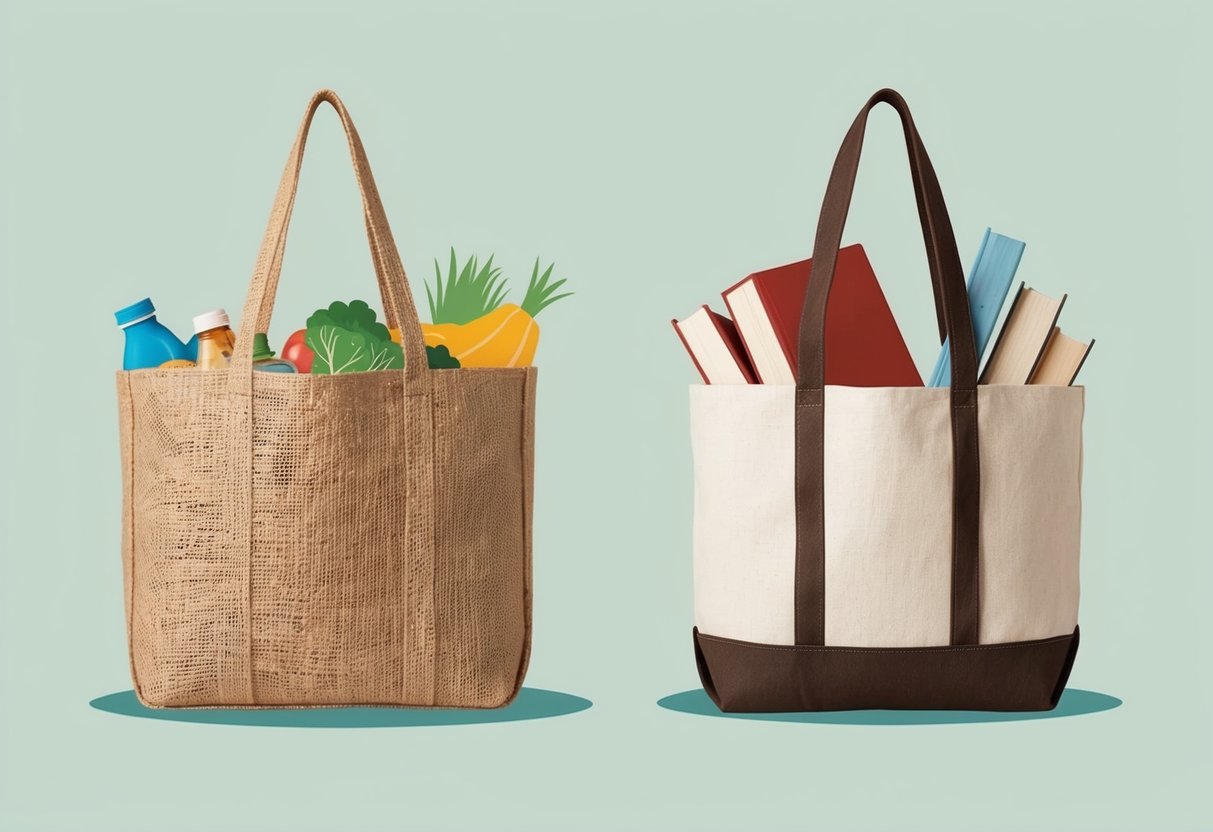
(947, 277)
(952, 312)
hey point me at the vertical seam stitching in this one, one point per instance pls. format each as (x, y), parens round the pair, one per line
(129, 404)
(431, 548)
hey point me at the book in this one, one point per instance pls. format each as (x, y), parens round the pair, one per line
(864, 347)
(989, 282)
(715, 347)
(1023, 339)
(1062, 359)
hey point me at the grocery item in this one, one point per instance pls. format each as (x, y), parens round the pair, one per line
(263, 357)
(438, 358)
(178, 364)
(346, 338)
(296, 351)
(472, 322)
(216, 341)
(148, 342)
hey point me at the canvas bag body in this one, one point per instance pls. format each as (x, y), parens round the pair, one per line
(833, 565)
(321, 540)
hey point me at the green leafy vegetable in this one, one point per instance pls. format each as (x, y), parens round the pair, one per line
(346, 338)
(440, 358)
(467, 294)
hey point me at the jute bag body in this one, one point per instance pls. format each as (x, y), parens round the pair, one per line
(886, 547)
(306, 540)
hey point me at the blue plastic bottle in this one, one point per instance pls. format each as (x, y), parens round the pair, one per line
(148, 342)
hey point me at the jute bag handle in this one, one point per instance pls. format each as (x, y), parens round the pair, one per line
(417, 684)
(952, 312)
(399, 309)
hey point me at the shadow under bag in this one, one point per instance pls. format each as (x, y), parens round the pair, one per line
(350, 539)
(886, 547)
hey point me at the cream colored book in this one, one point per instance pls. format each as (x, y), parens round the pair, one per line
(715, 347)
(1062, 360)
(1023, 339)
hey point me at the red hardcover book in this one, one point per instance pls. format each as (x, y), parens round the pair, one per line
(715, 347)
(864, 347)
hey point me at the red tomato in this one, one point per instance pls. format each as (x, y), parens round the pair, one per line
(296, 351)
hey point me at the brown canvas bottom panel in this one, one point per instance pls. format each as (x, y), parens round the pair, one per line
(745, 677)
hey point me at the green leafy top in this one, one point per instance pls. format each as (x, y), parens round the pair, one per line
(346, 338)
(477, 290)
(467, 294)
(539, 294)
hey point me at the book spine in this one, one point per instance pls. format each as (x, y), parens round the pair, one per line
(993, 272)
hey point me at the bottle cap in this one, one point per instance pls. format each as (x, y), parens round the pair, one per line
(135, 313)
(261, 347)
(211, 320)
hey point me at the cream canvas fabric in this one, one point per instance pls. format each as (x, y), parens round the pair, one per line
(888, 479)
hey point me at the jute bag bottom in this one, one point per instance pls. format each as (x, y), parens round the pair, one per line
(746, 677)
(491, 706)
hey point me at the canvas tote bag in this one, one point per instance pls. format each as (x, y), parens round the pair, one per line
(886, 547)
(302, 540)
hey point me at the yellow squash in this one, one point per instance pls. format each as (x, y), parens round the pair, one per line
(475, 326)
(505, 337)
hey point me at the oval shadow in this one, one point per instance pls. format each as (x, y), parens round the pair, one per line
(531, 703)
(1074, 702)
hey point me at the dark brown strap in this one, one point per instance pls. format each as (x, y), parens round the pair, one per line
(952, 312)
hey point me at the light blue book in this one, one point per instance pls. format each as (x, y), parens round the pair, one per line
(993, 271)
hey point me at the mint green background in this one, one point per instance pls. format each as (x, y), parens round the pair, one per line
(657, 154)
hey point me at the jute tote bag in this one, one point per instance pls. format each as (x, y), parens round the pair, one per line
(303, 540)
(886, 547)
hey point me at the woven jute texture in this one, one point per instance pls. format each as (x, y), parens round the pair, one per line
(309, 540)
